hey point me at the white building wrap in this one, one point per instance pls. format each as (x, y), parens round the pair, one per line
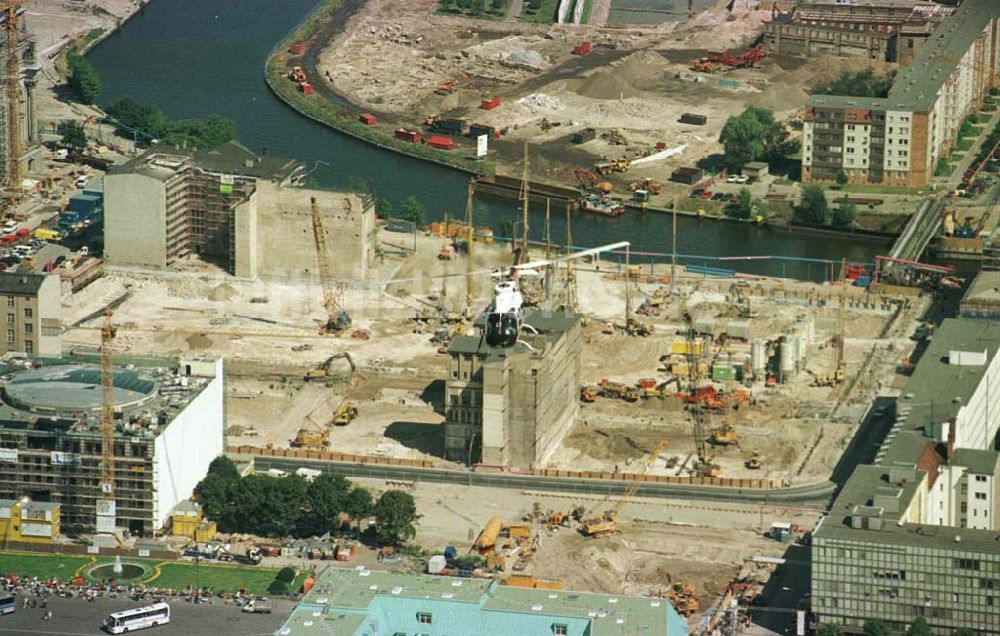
(187, 446)
(977, 421)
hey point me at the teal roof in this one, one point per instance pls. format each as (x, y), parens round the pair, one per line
(361, 602)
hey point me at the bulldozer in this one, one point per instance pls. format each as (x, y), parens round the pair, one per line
(307, 438)
(322, 371)
(724, 435)
(755, 461)
(345, 413)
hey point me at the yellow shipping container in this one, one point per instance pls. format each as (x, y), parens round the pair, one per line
(680, 347)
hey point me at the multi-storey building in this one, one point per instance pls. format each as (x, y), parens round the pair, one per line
(31, 308)
(888, 30)
(362, 602)
(915, 534)
(513, 407)
(898, 140)
(169, 427)
(246, 214)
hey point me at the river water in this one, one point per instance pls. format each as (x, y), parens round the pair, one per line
(192, 58)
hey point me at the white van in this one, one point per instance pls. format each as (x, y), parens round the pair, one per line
(82, 182)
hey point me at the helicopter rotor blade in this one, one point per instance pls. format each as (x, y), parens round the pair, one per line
(575, 255)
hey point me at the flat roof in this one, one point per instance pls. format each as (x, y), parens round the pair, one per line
(915, 88)
(231, 158)
(550, 326)
(341, 598)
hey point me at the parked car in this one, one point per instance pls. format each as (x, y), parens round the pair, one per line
(706, 195)
(696, 193)
(720, 196)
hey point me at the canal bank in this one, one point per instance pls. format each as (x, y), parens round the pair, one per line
(196, 59)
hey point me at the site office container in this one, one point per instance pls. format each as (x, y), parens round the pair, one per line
(408, 135)
(367, 119)
(306, 88)
(489, 104)
(442, 143)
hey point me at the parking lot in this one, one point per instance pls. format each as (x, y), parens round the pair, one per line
(77, 617)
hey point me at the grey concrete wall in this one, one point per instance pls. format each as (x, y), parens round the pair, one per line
(135, 221)
(49, 317)
(496, 406)
(558, 398)
(246, 239)
(285, 234)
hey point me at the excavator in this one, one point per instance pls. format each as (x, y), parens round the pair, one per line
(590, 181)
(608, 523)
(322, 371)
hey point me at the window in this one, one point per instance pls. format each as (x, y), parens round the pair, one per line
(981, 478)
(10, 318)
(981, 496)
(423, 618)
(10, 336)
(29, 347)
(10, 301)
(964, 507)
(27, 312)
(560, 630)
(28, 328)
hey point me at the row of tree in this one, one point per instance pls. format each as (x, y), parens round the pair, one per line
(754, 135)
(137, 120)
(876, 627)
(814, 209)
(271, 506)
(475, 7)
(864, 83)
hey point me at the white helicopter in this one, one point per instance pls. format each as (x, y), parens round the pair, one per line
(505, 316)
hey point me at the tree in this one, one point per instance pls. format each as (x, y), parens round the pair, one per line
(863, 83)
(497, 5)
(384, 208)
(135, 117)
(213, 492)
(828, 629)
(266, 505)
(478, 7)
(744, 206)
(359, 504)
(841, 178)
(285, 574)
(279, 588)
(84, 79)
(754, 135)
(875, 627)
(395, 516)
(73, 134)
(413, 211)
(919, 627)
(325, 499)
(963, 631)
(813, 209)
(844, 215)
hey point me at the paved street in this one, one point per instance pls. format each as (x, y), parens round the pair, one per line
(77, 617)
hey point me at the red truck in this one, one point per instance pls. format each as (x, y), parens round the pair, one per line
(441, 143)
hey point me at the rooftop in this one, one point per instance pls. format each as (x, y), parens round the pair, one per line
(20, 284)
(231, 158)
(915, 88)
(343, 599)
(550, 326)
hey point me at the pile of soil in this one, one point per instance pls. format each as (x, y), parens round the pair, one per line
(223, 292)
(627, 78)
(198, 341)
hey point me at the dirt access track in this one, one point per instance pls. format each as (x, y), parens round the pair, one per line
(391, 57)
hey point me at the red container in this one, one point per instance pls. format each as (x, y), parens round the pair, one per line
(442, 143)
(367, 119)
(307, 88)
(408, 135)
(489, 104)
(581, 49)
(297, 49)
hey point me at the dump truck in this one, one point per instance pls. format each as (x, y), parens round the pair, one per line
(618, 390)
(345, 413)
(306, 438)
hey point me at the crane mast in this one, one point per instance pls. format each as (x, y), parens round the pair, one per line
(12, 96)
(468, 251)
(106, 501)
(337, 319)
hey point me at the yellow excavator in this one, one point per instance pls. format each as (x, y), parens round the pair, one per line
(608, 523)
(322, 371)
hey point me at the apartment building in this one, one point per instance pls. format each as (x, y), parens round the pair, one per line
(916, 533)
(514, 406)
(33, 309)
(897, 140)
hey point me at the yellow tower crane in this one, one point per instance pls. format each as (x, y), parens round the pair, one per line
(106, 509)
(608, 524)
(337, 319)
(12, 95)
(469, 297)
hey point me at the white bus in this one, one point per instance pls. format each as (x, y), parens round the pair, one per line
(8, 603)
(138, 618)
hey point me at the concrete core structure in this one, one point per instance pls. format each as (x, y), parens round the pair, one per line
(246, 214)
(513, 407)
(169, 427)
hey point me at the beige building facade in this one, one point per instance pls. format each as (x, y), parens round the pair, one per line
(31, 309)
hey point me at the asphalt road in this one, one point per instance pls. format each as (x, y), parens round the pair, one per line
(809, 495)
(78, 617)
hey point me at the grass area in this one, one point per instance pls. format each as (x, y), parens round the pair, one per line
(490, 12)
(41, 565)
(964, 145)
(166, 574)
(943, 168)
(587, 6)
(865, 188)
(546, 11)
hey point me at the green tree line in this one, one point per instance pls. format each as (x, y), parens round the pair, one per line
(150, 122)
(272, 506)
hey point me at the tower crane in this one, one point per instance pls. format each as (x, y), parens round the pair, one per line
(840, 362)
(337, 318)
(704, 467)
(12, 95)
(608, 524)
(469, 298)
(107, 424)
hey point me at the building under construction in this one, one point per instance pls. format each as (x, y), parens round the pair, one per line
(244, 213)
(19, 134)
(168, 428)
(514, 406)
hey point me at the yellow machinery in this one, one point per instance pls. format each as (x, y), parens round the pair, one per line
(704, 467)
(618, 165)
(755, 462)
(322, 371)
(306, 438)
(345, 413)
(608, 524)
(12, 97)
(337, 319)
(724, 435)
